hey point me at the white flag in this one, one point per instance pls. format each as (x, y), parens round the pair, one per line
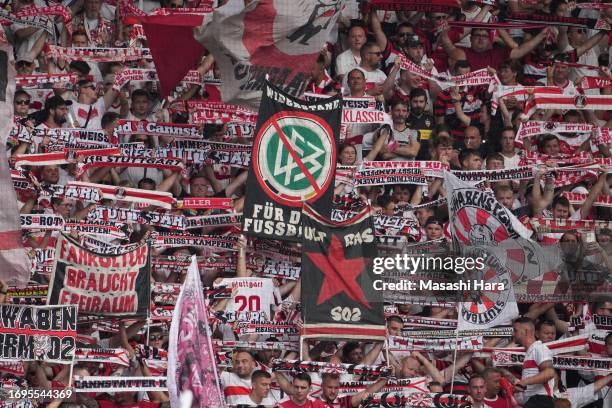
(192, 370)
(14, 261)
(479, 224)
(279, 38)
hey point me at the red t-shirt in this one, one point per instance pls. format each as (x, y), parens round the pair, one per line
(307, 404)
(498, 402)
(490, 58)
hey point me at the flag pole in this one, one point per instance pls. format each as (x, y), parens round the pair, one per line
(455, 358)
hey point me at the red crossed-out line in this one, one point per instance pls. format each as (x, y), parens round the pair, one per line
(295, 157)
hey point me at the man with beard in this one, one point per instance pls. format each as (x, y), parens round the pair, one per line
(330, 387)
(420, 120)
(404, 145)
(56, 114)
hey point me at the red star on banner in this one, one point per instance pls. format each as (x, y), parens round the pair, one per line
(340, 273)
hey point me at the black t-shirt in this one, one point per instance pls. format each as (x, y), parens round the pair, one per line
(424, 124)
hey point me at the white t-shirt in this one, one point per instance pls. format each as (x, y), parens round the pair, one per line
(590, 57)
(536, 354)
(24, 45)
(511, 162)
(246, 400)
(346, 61)
(568, 89)
(580, 396)
(372, 78)
(80, 111)
(234, 387)
(252, 295)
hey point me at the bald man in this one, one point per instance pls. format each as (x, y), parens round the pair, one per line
(537, 382)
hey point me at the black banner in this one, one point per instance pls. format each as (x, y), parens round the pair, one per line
(45, 333)
(293, 161)
(338, 295)
(101, 284)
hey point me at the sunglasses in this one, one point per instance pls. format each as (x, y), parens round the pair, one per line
(23, 102)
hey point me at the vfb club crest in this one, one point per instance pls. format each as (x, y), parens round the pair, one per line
(294, 157)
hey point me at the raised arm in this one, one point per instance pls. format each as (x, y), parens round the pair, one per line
(377, 386)
(590, 43)
(596, 190)
(379, 34)
(528, 46)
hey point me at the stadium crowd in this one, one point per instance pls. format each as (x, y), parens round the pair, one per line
(464, 127)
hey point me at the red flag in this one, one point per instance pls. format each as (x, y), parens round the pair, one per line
(174, 48)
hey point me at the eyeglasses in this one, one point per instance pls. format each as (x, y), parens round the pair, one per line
(23, 102)
(156, 337)
(378, 53)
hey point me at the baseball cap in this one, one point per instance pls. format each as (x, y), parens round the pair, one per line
(414, 40)
(55, 101)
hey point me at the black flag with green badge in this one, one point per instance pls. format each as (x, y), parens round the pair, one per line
(339, 299)
(293, 162)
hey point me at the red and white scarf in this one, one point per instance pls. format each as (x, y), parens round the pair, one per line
(205, 203)
(579, 198)
(567, 102)
(473, 343)
(97, 54)
(98, 161)
(135, 195)
(222, 242)
(100, 355)
(547, 225)
(36, 80)
(595, 82)
(142, 127)
(476, 78)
